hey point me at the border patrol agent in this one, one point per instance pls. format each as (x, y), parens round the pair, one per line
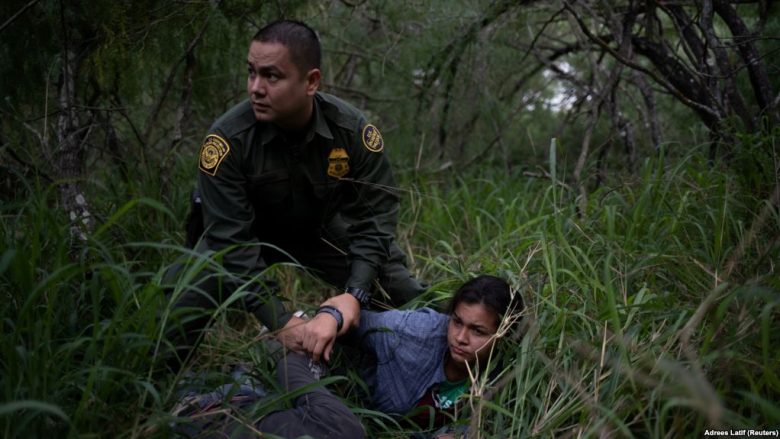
(304, 172)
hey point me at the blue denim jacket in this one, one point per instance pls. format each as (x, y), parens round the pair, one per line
(410, 347)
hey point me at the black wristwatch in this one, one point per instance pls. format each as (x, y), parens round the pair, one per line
(362, 296)
(332, 310)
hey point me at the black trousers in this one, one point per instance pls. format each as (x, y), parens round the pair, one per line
(316, 413)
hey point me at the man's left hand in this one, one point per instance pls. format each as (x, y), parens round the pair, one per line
(320, 333)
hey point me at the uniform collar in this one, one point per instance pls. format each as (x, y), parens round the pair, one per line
(320, 124)
(319, 127)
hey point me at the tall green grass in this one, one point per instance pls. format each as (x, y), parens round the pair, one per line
(635, 325)
(640, 323)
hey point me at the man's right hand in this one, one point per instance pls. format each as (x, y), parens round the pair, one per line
(291, 336)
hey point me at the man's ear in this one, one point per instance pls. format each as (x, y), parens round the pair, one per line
(313, 78)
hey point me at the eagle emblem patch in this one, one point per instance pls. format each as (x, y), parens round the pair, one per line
(212, 152)
(338, 163)
(372, 139)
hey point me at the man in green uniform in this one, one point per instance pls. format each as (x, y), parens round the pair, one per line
(305, 172)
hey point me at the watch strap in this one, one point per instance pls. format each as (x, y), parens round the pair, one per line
(362, 296)
(333, 311)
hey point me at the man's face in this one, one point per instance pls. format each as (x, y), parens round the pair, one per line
(278, 91)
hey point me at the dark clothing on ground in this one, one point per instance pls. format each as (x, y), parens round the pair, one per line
(316, 413)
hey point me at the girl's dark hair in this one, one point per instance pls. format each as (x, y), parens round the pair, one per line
(492, 292)
(300, 40)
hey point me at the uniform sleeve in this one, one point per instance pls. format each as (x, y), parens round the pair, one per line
(372, 209)
(228, 216)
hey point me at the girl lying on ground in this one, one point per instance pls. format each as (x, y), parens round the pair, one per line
(419, 364)
(423, 358)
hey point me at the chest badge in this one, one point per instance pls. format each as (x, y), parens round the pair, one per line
(338, 163)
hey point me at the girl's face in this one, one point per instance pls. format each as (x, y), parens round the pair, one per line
(470, 333)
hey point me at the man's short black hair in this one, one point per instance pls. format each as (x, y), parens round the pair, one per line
(300, 40)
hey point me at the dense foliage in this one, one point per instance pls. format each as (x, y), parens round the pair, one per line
(653, 313)
(650, 274)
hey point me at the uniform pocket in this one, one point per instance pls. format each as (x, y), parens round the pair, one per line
(270, 188)
(326, 190)
(327, 197)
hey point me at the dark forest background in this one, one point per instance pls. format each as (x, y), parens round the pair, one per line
(616, 160)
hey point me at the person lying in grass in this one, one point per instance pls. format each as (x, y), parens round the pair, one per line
(423, 361)
(419, 363)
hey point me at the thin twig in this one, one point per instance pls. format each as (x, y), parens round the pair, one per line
(153, 116)
(17, 14)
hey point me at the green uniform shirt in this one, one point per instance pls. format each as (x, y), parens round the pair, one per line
(258, 184)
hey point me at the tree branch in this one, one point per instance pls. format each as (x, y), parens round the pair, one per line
(17, 14)
(759, 79)
(658, 79)
(154, 115)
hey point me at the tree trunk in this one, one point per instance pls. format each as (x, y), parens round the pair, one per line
(651, 115)
(70, 155)
(746, 47)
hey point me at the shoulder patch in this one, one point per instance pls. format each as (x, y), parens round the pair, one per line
(338, 163)
(212, 152)
(372, 138)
